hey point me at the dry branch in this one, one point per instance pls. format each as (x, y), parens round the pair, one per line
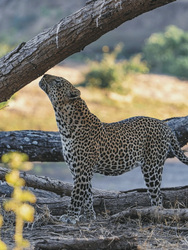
(151, 214)
(116, 242)
(46, 183)
(46, 146)
(33, 58)
(42, 182)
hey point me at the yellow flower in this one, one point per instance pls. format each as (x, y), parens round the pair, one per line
(11, 205)
(28, 196)
(15, 159)
(13, 179)
(1, 221)
(27, 212)
(24, 195)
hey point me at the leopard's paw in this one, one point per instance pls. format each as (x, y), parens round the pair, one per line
(69, 219)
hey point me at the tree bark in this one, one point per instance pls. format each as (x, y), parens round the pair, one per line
(38, 145)
(46, 146)
(33, 58)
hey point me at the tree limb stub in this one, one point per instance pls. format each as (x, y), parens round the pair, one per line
(46, 146)
(33, 58)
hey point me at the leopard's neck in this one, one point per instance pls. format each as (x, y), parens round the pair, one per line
(75, 117)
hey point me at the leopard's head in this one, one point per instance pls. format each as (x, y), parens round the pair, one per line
(58, 89)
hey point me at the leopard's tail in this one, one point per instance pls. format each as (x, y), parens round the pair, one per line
(176, 149)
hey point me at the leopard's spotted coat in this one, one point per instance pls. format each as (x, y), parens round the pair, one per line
(90, 145)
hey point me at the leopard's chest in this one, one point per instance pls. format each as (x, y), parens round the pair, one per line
(76, 149)
(66, 147)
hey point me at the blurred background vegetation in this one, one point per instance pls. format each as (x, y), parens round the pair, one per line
(167, 52)
(120, 67)
(23, 19)
(140, 68)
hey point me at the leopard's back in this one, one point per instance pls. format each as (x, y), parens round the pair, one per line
(125, 144)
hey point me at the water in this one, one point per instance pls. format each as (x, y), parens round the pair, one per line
(175, 174)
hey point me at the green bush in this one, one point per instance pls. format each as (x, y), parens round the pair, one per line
(167, 52)
(110, 73)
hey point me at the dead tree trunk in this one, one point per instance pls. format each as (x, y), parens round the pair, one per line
(33, 58)
(46, 146)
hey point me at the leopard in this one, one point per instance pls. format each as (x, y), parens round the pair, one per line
(90, 146)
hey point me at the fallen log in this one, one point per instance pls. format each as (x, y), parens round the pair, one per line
(38, 145)
(115, 242)
(180, 127)
(48, 184)
(46, 146)
(118, 201)
(155, 214)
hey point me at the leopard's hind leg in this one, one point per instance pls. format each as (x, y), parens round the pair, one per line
(155, 150)
(153, 177)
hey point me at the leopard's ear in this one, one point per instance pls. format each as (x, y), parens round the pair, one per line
(74, 94)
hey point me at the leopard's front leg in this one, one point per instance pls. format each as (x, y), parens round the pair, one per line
(81, 197)
(89, 212)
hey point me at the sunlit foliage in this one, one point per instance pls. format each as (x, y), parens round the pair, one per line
(111, 73)
(167, 52)
(20, 198)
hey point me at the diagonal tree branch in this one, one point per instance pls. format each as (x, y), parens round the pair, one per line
(33, 58)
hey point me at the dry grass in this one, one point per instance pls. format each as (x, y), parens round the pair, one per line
(151, 95)
(141, 233)
(145, 235)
